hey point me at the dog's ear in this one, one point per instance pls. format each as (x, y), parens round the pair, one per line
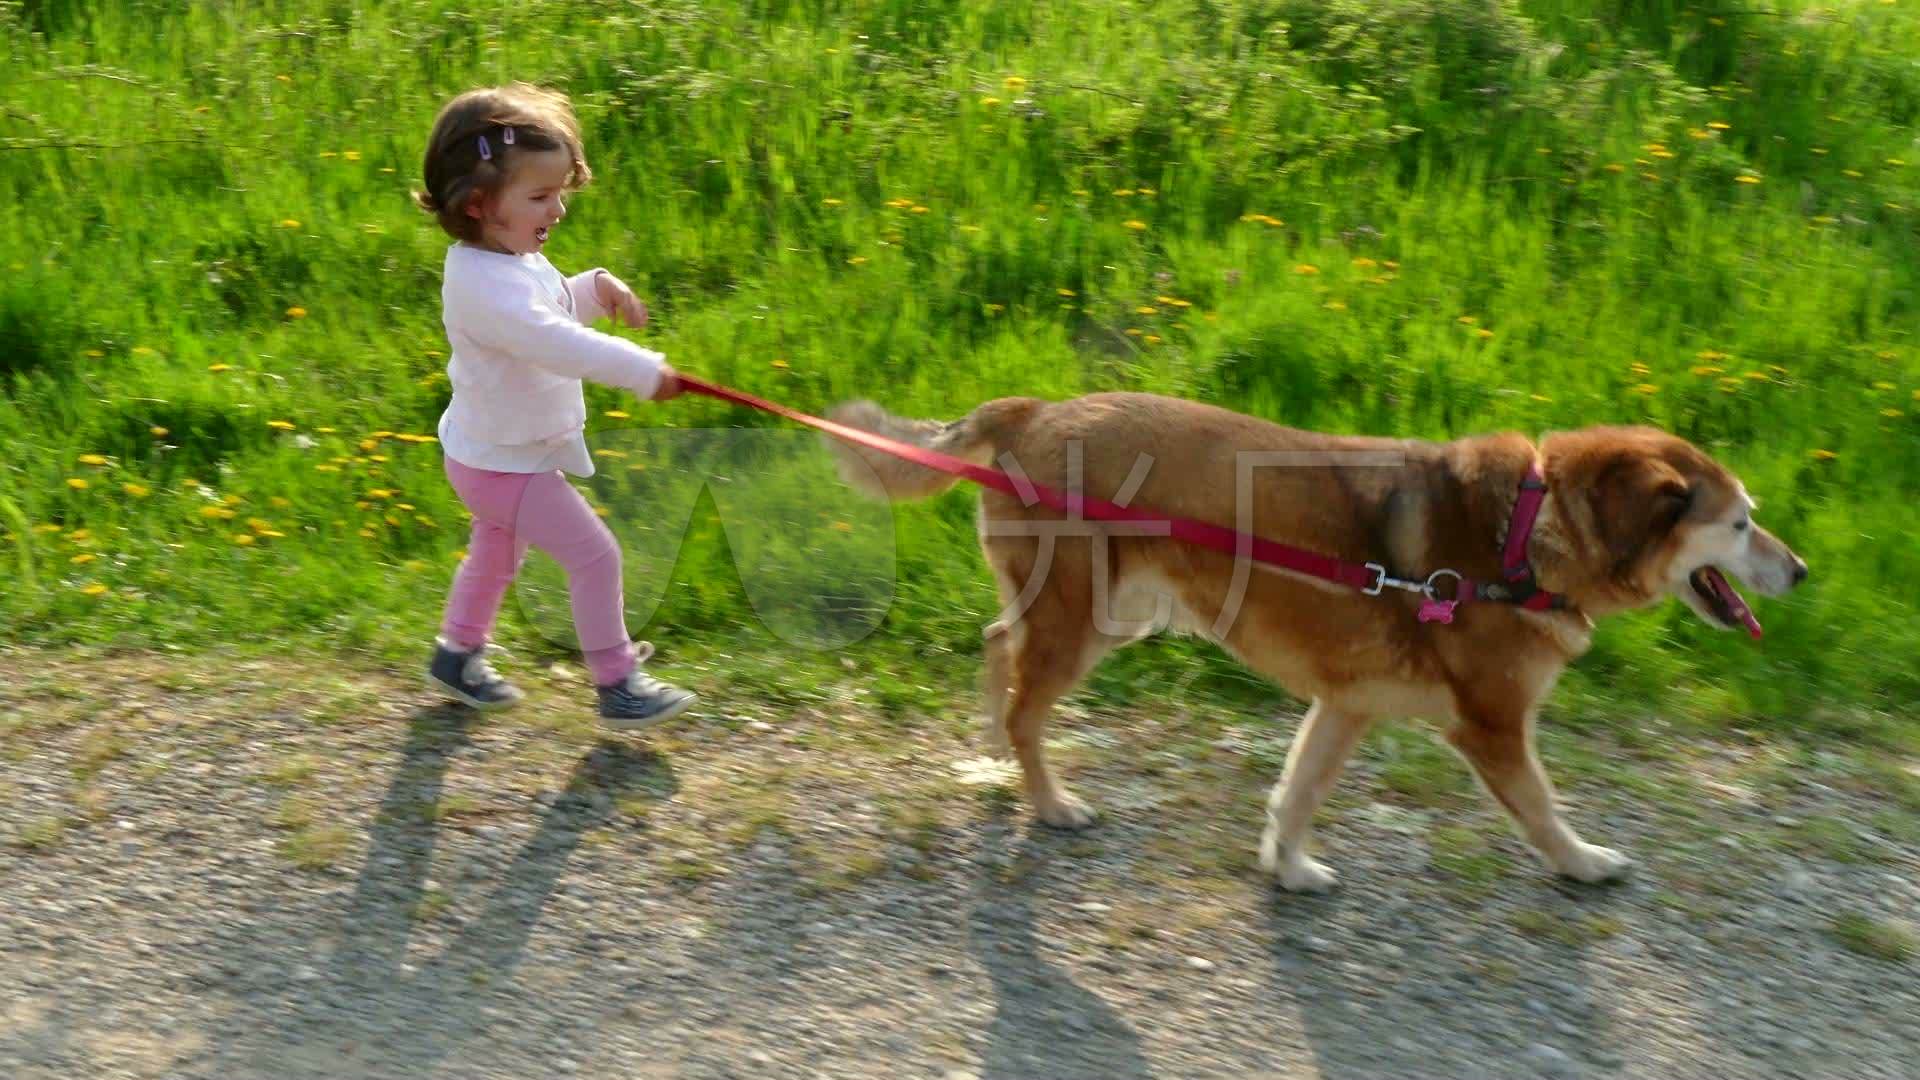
(1638, 499)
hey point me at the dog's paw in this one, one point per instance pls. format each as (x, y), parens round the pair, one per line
(1296, 873)
(1066, 812)
(1593, 864)
(1301, 874)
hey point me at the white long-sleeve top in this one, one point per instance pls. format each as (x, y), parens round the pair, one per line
(520, 345)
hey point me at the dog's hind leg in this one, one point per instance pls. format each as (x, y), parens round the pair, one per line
(1320, 749)
(994, 685)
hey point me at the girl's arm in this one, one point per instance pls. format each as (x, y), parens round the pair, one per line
(508, 313)
(588, 307)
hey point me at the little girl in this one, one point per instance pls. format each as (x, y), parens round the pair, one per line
(499, 167)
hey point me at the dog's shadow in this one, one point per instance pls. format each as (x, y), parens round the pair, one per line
(377, 997)
(1044, 1024)
(1447, 1003)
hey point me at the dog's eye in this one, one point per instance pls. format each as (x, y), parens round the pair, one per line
(1740, 526)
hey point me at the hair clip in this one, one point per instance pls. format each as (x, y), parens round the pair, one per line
(508, 137)
(486, 152)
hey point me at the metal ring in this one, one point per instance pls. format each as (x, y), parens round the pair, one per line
(1427, 588)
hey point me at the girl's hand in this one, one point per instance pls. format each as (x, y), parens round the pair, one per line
(626, 308)
(670, 386)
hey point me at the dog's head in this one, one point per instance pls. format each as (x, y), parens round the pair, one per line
(1649, 515)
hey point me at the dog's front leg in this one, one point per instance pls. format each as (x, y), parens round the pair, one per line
(1498, 743)
(1320, 749)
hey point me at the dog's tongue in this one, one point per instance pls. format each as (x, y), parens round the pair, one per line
(1731, 598)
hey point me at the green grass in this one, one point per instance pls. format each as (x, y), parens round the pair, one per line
(1410, 217)
(1879, 938)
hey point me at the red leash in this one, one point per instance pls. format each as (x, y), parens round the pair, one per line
(1369, 578)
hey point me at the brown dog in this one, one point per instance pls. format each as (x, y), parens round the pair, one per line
(1631, 516)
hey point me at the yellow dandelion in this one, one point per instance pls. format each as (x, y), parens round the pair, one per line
(1759, 376)
(415, 565)
(1145, 310)
(1615, 167)
(1123, 193)
(995, 309)
(1013, 82)
(1467, 320)
(259, 524)
(1709, 354)
(1364, 263)
(280, 425)
(351, 155)
(289, 223)
(284, 78)
(1306, 269)
(918, 210)
(215, 513)
(145, 350)
(1719, 125)
(1853, 174)
(95, 589)
(280, 502)
(832, 202)
(618, 414)
(1136, 226)
(326, 468)
(1082, 192)
(1151, 339)
(1541, 398)
(219, 367)
(1066, 292)
(232, 500)
(77, 483)
(1148, 192)
(1892, 414)
(969, 228)
(1662, 153)
(368, 533)
(1746, 178)
(95, 353)
(1884, 386)
(157, 432)
(1134, 331)
(83, 558)
(296, 313)
(1646, 388)
(1898, 163)
(857, 260)
(617, 455)
(138, 491)
(1708, 370)
(1483, 333)
(989, 102)
(1335, 305)
(781, 364)
(93, 459)
(243, 539)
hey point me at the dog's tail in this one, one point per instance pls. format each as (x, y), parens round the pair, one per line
(977, 437)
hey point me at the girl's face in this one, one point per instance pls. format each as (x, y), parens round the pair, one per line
(515, 219)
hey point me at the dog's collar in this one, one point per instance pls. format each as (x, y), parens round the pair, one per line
(1519, 586)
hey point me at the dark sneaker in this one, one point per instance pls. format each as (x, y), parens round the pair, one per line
(467, 677)
(641, 701)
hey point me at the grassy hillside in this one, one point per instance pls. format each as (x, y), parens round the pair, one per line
(220, 350)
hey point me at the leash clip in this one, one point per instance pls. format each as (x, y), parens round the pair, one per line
(1383, 580)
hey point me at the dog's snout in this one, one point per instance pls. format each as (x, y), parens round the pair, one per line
(1799, 569)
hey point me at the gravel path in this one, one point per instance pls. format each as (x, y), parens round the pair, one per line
(241, 870)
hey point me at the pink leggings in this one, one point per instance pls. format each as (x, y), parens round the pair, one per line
(512, 511)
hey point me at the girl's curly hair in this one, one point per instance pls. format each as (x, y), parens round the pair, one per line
(455, 171)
